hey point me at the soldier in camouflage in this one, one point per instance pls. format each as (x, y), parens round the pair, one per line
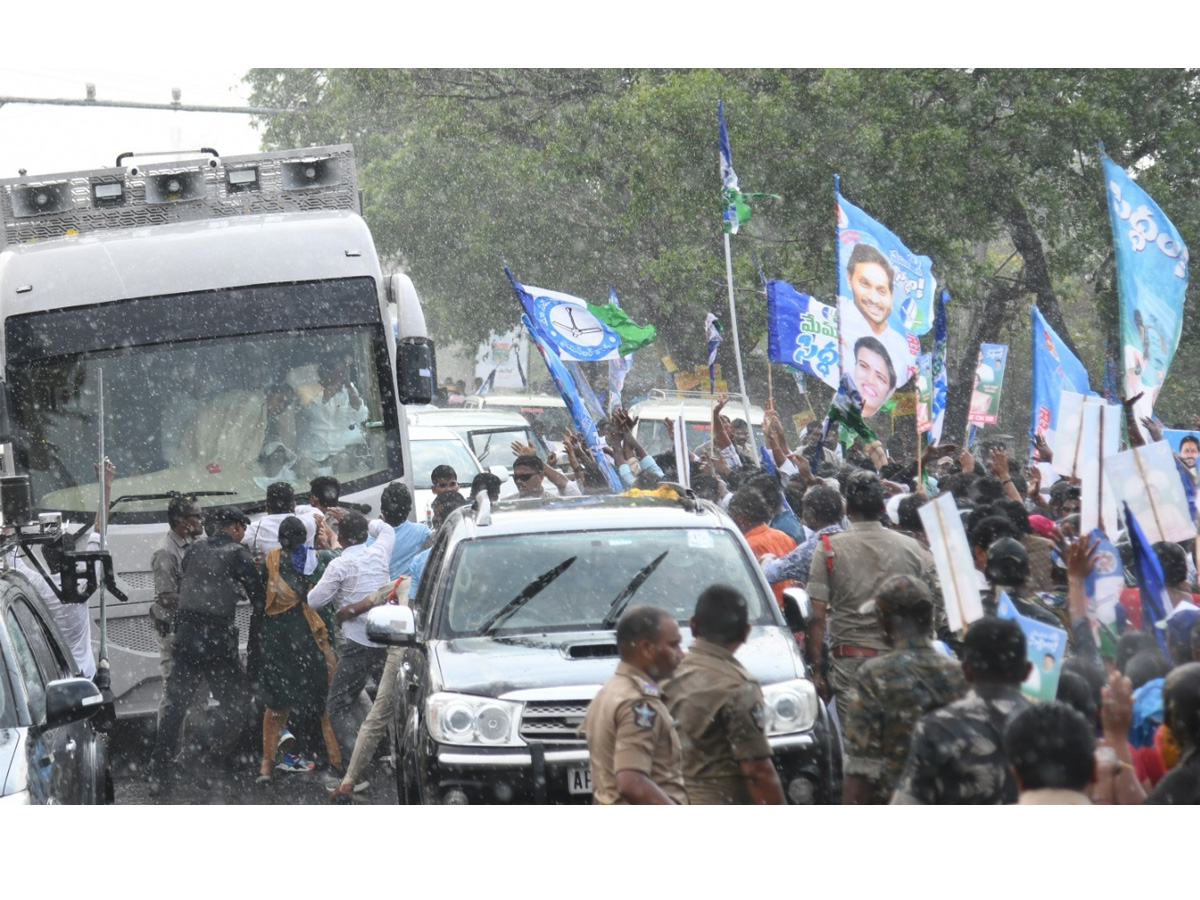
(893, 691)
(957, 754)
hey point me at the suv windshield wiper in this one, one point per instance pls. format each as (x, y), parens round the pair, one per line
(530, 591)
(623, 598)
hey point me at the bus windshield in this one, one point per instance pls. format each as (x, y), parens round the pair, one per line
(220, 416)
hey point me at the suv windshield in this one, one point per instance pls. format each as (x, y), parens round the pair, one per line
(489, 573)
(194, 407)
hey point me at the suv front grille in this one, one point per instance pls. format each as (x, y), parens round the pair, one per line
(554, 722)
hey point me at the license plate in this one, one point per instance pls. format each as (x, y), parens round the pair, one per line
(579, 780)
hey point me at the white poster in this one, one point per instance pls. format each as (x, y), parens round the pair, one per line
(955, 564)
(507, 356)
(1147, 480)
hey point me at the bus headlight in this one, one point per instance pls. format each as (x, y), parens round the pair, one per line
(466, 719)
(791, 706)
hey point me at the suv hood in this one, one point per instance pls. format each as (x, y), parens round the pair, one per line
(494, 666)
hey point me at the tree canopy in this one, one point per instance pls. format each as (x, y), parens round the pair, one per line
(582, 179)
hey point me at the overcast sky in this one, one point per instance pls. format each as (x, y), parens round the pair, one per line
(51, 139)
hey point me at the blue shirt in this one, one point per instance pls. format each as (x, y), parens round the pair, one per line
(410, 538)
(787, 522)
(415, 568)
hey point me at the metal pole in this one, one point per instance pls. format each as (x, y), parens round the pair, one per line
(737, 350)
(102, 519)
(170, 107)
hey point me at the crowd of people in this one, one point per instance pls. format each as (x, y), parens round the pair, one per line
(925, 715)
(310, 572)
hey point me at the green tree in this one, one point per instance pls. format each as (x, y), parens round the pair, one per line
(582, 179)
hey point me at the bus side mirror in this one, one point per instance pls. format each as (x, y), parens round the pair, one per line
(6, 431)
(414, 370)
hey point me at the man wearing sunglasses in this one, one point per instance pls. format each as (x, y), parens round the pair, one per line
(528, 472)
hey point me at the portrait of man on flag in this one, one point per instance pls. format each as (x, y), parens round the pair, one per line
(884, 302)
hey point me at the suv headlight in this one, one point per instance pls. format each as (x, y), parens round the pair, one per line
(465, 719)
(791, 706)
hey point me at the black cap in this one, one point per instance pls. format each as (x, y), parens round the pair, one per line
(228, 515)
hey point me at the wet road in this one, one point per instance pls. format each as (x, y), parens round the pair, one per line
(204, 783)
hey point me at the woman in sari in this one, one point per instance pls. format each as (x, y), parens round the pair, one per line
(295, 658)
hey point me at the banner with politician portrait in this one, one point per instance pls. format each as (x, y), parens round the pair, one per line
(1152, 277)
(989, 379)
(885, 301)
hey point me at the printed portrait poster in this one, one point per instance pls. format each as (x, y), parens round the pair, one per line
(1147, 480)
(885, 295)
(924, 395)
(1045, 646)
(989, 378)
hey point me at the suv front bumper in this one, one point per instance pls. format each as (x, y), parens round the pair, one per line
(543, 775)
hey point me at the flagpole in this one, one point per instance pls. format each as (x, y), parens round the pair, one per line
(737, 350)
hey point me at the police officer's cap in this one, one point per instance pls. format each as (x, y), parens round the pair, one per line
(228, 515)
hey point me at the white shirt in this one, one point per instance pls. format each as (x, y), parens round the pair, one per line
(72, 619)
(263, 535)
(357, 573)
(332, 425)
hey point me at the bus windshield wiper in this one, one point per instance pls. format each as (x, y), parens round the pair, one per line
(623, 598)
(530, 591)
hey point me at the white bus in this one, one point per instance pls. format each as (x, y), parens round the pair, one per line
(214, 294)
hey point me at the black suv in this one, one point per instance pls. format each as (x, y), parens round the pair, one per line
(513, 633)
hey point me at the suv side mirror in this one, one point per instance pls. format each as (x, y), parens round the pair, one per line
(391, 625)
(797, 608)
(71, 700)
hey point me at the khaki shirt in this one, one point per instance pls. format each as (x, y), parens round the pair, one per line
(722, 722)
(863, 558)
(167, 564)
(629, 727)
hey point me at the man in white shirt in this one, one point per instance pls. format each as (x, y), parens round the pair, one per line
(334, 420)
(263, 535)
(359, 571)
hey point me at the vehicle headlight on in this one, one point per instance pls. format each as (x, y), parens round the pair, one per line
(464, 719)
(791, 706)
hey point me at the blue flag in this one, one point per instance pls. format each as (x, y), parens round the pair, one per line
(1055, 369)
(712, 331)
(941, 381)
(1152, 277)
(590, 401)
(885, 297)
(1151, 583)
(802, 332)
(566, 389)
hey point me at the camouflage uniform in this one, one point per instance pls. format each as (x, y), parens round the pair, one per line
(957, 754)
(891, 693)
(863, 558)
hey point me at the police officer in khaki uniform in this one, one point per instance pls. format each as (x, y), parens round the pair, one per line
(720, 709)
(635, 752)
(847, 571)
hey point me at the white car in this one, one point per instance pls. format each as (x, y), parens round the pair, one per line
(697, 413)
(488, 433)
(432, 447)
